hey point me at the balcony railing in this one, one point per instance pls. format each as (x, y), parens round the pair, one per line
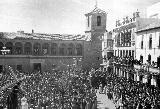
(149, 68)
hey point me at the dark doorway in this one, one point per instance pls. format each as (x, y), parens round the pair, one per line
(1, 68)
(158, 81)
(37, 67)
(141, 59)
(149, 58)
(158, 61)
(109, 55)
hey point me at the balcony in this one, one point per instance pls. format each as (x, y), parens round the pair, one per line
(151, 69)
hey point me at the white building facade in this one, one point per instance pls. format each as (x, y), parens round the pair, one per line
(148, 53)
(148, 45)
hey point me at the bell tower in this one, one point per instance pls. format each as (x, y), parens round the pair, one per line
(95, 29)
(95, 24)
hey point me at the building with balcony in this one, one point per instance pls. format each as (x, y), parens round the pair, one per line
(124, 36)
(107, 50)
(44, 52)
(148, 51)
(34, 51)
(125, 43)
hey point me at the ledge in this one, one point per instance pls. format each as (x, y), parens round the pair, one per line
(151, 69)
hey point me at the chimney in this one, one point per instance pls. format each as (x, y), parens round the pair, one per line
(32, 31)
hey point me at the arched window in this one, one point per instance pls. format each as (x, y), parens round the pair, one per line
(98, 20)
(1, 47)
(54, 49)
(150, 41)
(71, 49)
(62, 49)
(28, 48)
(37, 49)
(18, 48)
(9, 46)
(45, 48)
(79, 49)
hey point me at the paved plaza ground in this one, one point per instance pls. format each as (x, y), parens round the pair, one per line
(103, 102)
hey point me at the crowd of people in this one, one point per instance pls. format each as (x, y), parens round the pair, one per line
(56, 89)
(76, 89)
(127, 93)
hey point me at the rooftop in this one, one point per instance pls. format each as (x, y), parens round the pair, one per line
(96, 10)
(152, 25)
(23, 35)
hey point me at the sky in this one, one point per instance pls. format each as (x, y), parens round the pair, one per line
(62, 16)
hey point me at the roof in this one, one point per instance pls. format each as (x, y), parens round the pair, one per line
(152, 25)
(96, 10)
(14, 35)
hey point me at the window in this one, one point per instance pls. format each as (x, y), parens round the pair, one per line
(62, 49)
(109, 44)
(28, 48)
(142, 42)
(133, 53)
(123, 53)
(54, 49)
(79, 49)
(120, 53)
(45, 48)
(98, 20)
(71, 49)
(105, 57)
(159, 42)
(88, 21)
(158, 61)
(19, 68)
(18, 48)
(149, 58)
(1, 47)
(9, 45)
(150, 41)
(129, 52)
(1, 68)
(37, 49)
(141, 58)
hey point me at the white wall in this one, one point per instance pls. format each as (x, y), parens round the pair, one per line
(154, 52)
